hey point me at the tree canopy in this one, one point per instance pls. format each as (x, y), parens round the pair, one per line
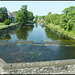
(23, 15)
(3, 14)
(30, 16)
(65, 20)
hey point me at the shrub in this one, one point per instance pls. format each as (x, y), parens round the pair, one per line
(7, 21)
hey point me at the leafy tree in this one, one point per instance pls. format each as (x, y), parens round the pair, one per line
(52, 18)
(68, 17)
(47, 19)
(36, 18)
(7, 21)
(70, 24)
(49, 13)
(69, 9)
(3, 14)
(30, 16)
(65, 20)
(22, 15)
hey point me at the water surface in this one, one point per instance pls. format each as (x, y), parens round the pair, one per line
(15, 48)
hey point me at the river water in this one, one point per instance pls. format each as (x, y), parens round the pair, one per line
(46, 45)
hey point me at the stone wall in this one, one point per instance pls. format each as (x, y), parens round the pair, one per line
(46, 67)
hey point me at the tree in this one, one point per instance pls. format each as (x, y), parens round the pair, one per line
(47, 19)
(22, 15)
(70, 24)
(30, 16)
(7, 21)
(49, 13)
(68, 17)
(3, 14)
(36, 18)
(52, 18)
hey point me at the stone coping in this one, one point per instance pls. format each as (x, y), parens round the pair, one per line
(45, 67)
(56, 63)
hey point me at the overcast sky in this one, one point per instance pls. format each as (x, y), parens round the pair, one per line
(38, 7)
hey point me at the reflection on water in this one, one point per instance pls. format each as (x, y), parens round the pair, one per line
(36, 32)
(22, 32)
(54, 35)
(7, 36)
(64, 40)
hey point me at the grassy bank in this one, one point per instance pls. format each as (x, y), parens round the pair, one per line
(61, 30)
(5, 26)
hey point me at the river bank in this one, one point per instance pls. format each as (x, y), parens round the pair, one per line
(6, 26)
(57, 28)
(6, 29)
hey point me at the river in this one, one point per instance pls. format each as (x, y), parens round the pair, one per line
(46, 45)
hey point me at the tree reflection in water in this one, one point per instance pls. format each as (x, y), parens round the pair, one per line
(22, 32)
(7, 36)
(54, 36)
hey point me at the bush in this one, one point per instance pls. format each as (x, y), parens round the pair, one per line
(7, 21)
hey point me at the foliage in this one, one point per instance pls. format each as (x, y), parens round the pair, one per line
(41, 17)
(7, 21)
(49, 13)
(22, 15)
(65, 20)
(30, 16)
(3, 14)
(47, 19)
(52, 18)
(36, 18)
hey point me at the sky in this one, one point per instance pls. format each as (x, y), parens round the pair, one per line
(39, 8)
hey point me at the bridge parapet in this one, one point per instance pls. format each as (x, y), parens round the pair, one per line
(46, 67)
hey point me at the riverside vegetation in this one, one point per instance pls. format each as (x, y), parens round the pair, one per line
(64, 23)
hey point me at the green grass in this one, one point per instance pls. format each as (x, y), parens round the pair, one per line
(61, 30)
(2, 25)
